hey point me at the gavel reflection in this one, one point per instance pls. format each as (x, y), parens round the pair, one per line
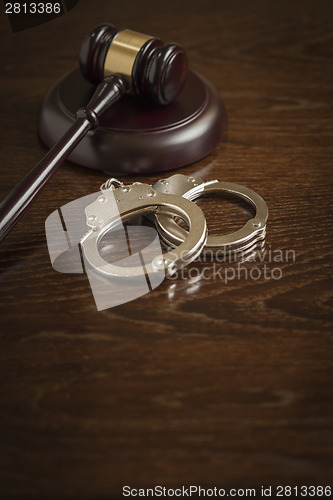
(119, 62)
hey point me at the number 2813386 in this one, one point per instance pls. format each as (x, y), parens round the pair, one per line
(33, 8)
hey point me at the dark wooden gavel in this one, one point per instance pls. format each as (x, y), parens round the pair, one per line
(119, 61)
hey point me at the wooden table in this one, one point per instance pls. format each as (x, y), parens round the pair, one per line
(200, 382)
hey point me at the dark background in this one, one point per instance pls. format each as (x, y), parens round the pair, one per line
(195, 383)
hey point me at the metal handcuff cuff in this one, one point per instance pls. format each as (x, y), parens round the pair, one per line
(167, 199)
(192, 188)
(119, 202)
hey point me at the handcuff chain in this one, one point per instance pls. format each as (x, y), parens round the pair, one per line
(111, 183)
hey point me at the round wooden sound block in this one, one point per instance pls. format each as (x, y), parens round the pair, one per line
(136, 136)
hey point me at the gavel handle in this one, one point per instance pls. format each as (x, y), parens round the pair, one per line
(19, 199)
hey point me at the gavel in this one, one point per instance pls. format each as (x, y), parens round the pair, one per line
(119, 61)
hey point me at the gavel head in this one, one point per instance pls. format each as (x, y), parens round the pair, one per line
(151, 69)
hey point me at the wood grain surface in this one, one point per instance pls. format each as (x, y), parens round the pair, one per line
(199, 382)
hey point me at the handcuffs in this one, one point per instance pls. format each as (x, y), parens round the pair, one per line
(192, 188)
(166, 199)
